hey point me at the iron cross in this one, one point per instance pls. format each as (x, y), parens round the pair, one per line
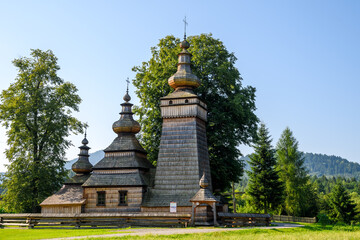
(185, 23)
(127, 88)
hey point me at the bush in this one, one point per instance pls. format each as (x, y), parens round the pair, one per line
(323, 219)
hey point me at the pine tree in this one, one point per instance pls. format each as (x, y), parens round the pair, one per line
(342, 208)
(265, 188)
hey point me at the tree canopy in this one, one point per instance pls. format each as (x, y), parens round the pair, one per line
(37, 112)
(265, 187)
(231, 106)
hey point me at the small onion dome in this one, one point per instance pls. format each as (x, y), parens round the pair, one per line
(204, 183)
(82, 165)
(85, 141)
(184, 44)
(127, 97)
(126, 123)
(184, 78)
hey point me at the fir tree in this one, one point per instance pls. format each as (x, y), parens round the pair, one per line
(265, 188)
(342, 208)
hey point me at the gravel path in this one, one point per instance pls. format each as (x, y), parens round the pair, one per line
(169, 231)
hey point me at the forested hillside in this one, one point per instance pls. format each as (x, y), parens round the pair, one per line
(321, 164)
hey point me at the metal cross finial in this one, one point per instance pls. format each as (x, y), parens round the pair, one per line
(85, 130)
(127, 88)
(185, 23)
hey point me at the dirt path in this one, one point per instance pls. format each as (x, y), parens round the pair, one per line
(169, 231)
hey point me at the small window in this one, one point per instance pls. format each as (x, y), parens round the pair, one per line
(170, 102)
(123, 198)
(101, 196)
(186, 101)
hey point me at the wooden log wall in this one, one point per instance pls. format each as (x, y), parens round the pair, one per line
(134, 196)
(61, 209)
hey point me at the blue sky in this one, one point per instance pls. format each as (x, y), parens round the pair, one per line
(302, 56)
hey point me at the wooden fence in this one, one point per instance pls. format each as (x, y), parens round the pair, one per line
(284, 218)
(244, 219)
(32, 220)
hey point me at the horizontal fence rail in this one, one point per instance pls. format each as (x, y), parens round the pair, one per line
(244, 219)
(284, 218)
(32, 220)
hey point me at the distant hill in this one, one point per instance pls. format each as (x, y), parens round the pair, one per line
(322, 164)
(94, 158)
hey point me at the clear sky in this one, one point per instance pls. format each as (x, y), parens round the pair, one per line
(302, 56)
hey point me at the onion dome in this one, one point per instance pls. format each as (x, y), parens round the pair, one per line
(82, 165)
(204, 183)
(184, 78)
(126, 123)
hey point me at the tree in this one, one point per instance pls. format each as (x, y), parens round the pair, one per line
(36, 111)
(342, 208)
(231, 117)
(290, 164)
(265, 187)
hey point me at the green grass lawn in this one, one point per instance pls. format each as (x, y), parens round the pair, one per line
(310, 231)
(38, 233)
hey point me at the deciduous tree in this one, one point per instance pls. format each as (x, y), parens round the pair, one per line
(231, 106)
(37, 112)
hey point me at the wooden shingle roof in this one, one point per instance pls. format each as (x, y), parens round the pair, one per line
(120, 162)
(110, 180)
(125, 142)
(67, 195)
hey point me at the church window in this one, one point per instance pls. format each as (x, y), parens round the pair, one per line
(186, 101)
(123, 198)
(101, 196)
(170, 102)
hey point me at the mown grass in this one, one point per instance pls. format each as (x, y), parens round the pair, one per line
(310, 231)
(38, 233)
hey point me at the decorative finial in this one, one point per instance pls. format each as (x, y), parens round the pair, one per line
(185, 23)
(127, 87)
(204, 183)
(85, 141)
(127, 97)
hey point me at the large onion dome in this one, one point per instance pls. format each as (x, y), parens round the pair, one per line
(184, 78)
(126, 123)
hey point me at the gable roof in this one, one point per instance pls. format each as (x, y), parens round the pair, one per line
(67, 195)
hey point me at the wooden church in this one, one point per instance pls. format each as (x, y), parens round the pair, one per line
(125, 181)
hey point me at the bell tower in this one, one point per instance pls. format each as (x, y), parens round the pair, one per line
(183, 154)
